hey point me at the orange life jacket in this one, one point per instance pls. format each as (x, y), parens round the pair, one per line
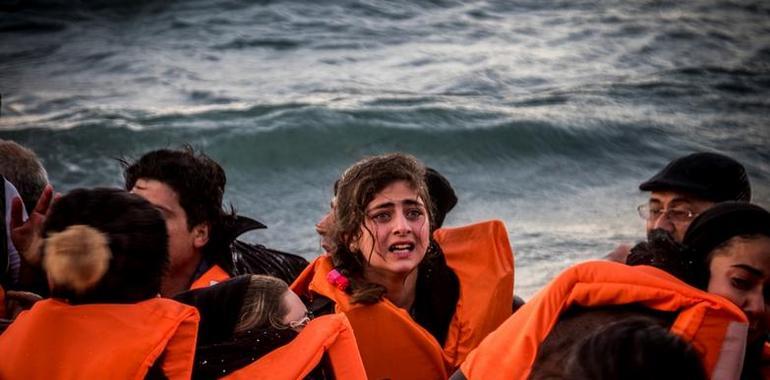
(214, 275)
(55, 340)
(392, 344)
(330, 334)
(481, 256)
(716, 327)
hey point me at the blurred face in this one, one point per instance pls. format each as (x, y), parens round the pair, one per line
(324, 226)
(184, 244)
(673, 212)
(297, 317)
(740, 272)
(396, 231)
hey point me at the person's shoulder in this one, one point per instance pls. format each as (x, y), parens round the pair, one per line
(619, 254)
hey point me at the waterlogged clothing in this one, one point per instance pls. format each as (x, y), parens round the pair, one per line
(56, 340)
(716, 327)
(482, 260)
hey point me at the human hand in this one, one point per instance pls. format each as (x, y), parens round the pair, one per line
(17, 301)
(25, 235)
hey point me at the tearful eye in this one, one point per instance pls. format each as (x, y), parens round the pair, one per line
(382, 217)
(414, 214)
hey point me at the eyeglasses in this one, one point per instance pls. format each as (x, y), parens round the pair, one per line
(675, 215)
(302, 322)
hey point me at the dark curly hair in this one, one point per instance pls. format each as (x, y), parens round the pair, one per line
(357, 187)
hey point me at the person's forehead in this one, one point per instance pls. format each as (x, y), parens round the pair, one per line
(675, 197)
(392, 203)
(157, 193)
(743, 254)
(399, 192)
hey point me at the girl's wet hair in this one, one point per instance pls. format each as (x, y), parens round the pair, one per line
(357, 187)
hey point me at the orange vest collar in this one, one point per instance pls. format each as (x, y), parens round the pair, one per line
(214, 275)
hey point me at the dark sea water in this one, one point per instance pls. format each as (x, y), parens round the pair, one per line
(545, 114)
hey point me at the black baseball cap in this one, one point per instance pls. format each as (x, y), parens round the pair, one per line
(710, 176)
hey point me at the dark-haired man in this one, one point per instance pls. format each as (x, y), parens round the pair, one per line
(187, 187)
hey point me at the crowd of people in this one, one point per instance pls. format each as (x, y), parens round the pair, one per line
(151, 282)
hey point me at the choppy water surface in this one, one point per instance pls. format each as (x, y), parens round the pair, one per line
(545, 114)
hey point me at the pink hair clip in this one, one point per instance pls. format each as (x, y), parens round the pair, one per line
(337, 279)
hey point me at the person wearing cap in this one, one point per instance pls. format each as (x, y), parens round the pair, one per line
(187, 187)
(686, 187)
(690, 185)
(725, 251)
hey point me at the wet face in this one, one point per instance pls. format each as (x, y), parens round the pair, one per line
(184, 244)
(740, 272)
(324, 226)
(395, 233)
(297, 317)
(673, 212)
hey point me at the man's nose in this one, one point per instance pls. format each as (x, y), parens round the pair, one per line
(662, 222)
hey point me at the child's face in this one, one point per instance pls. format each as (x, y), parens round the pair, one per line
(297, 317)
(396, 232)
